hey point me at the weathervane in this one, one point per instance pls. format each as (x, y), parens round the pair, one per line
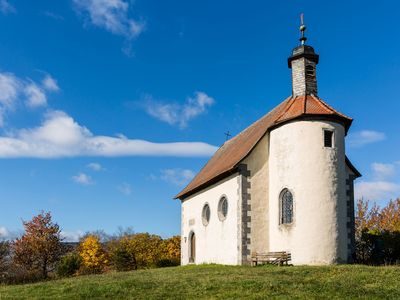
(302, 29)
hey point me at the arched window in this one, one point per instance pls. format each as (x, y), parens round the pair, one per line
(205, 214)
(286, 207)
(222, 208)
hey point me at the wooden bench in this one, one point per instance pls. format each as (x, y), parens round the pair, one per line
(275, 258)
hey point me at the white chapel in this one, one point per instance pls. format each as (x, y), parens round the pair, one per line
(282, 184)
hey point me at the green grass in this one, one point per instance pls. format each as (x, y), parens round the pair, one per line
(222, 282)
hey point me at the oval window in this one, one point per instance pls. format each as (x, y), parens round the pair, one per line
(222, 208)
(205, 215)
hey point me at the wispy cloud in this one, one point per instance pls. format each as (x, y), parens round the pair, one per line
(95, 167)
(383, 171)
(53, 15)
(173, 113)
(61, 136)
(113, 16)
(365, 137)
(50, 84)
(35, 95)
(125, 188)
(377, 190)
(6, 7)
(83, 179)
(14, 90)
(9, 90)
(177, 176)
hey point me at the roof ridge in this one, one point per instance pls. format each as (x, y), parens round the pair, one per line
(287, 108)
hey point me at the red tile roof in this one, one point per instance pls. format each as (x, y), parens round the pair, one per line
(231, 153)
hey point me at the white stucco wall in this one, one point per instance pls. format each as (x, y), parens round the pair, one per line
(316, 177)
(257, 164)
(218, 242)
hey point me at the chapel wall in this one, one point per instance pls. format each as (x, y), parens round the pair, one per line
(220, 241)
(257, 165)
(316, 177)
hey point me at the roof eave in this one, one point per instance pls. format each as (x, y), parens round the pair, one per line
(183, 195)
(352, 168)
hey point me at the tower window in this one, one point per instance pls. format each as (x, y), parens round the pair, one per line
(286, 204)
(328, 138)
(310, 71)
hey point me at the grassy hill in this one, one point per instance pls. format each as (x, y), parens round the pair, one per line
(221, 282)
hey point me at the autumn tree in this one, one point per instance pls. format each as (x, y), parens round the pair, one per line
(93, 255)
(40, 247)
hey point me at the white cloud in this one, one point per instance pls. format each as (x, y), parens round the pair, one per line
(6, 7)
(72, 236)
(14, 90)
(177, 176)
(125, 188)
(95, 167)
(365, 137)
(4, 232)
(173, 113)
(112, 15)
(61, 136)
(82, 179)
(50, 84)
(35, 95)
(383, 171)
(377, 190)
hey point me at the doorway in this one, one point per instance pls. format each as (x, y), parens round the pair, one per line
(192, 247)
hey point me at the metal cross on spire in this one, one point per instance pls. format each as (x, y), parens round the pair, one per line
(228, 135)
(302, 29)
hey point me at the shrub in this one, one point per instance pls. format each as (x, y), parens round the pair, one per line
(378, 233)
(69, 265)
(172, 252)
(147, 249)
(122, 259)
(4, 255)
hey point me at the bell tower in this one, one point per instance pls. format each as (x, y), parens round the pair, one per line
(303, 63)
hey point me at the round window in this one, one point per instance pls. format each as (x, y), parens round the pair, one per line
(206, 214)
(222, 208)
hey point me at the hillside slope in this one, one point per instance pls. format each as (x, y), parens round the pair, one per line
(221, 282)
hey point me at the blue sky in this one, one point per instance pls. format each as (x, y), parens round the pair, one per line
(109, 107)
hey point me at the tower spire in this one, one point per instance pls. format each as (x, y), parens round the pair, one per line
(303, 63)
(303, 28)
